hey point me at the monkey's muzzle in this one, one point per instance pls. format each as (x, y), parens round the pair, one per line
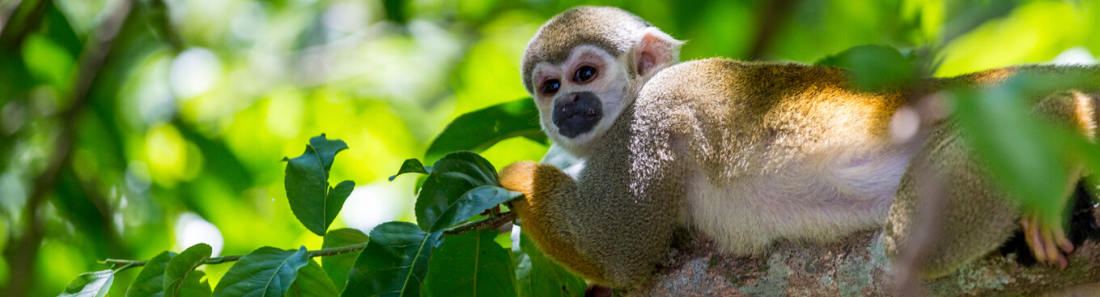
(577, 113)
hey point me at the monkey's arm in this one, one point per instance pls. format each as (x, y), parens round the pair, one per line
(544, 188)
(613, 224)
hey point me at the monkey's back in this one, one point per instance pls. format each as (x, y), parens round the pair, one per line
(762, 116)
(783, 150)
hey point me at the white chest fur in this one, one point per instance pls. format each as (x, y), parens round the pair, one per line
(821, 199)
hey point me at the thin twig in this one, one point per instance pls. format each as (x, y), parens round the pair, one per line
(492, 222)
(223, 259)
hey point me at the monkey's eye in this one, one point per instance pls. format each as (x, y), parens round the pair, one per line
(584, 74)
(551, 86)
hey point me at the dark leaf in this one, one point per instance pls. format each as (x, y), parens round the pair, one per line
(267, 271)
(471, 264)
(181, 266)
(471, 204)
(150, 282)
(196, 286)
(307, 187)
(338, 266)
(412, 166)
(479, 130)
(90, 284)
(394, 263)
(312, 282)
(539, 276)
(451, 178)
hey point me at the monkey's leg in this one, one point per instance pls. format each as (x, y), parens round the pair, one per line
(975, 217)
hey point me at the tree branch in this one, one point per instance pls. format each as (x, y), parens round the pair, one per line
(124, 264)
(492, 222)
(856, 267)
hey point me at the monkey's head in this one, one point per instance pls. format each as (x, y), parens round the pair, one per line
(586, 65)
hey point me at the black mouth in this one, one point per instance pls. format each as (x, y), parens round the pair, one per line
(577, 113)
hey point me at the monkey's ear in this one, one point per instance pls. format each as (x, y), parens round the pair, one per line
(655, 51)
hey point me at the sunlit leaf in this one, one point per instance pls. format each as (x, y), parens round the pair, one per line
(307, 189)
(180, 267)
(338, 266)
(539, 276)
(1020, 151)
(90, 284)
(873, 67)
(266, 271)
(394, 263)
(471, 264)
(412, 166)
(452, 176)
(150, 282)
(478, 130)
(312, 282)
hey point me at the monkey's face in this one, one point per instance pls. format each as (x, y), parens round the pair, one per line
(580, 98)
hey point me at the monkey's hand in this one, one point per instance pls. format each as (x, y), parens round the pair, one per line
(1047, 241)
(520, 177)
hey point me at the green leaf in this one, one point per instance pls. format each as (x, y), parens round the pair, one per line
(307, 189)
(471, 264)
(181, 266)
(874, 67)
(90, 284)
(412, 166)
(150, 282)
(266, 271)
(481, 129)
(312, 282)
(394, 263)
(1019, 150)
(471, 204)
(539, 276)
(195, 286)
(451, 178)
(338, 266)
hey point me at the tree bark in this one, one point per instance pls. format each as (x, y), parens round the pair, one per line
(858, 266)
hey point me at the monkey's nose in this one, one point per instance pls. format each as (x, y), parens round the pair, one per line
(577, 113)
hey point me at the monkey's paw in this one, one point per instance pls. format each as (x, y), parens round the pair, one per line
(519, 177)
(1047, 242)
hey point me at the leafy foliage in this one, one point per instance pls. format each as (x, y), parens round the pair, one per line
(150, 282)
(337, 266)
(181, 267)
(312, 200)
(478, 130)
(471, 264)
(267, 271)
(394, 262)
(312, 282)
(90, 284)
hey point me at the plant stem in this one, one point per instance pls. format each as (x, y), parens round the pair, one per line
(218, 260)
(491, 222)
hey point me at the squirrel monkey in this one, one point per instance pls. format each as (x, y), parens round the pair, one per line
(745, 152)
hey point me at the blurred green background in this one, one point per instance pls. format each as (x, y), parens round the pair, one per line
(171, 131)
